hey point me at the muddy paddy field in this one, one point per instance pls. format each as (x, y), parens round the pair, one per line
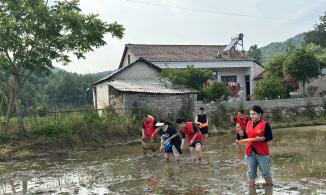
(298, 160)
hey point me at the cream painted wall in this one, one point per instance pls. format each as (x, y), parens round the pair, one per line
(102, 95)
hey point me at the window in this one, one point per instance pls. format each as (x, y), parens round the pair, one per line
(215, 76)
(226, 79)
(128, 59)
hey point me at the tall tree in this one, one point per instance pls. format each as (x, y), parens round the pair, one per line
(255, 53)
(270, 88)
(302, 65)
(34, 34)
(318, 35)
(190, 76)
(274, 67)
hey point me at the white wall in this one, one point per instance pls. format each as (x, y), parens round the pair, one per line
(102, 95)
(240, 73)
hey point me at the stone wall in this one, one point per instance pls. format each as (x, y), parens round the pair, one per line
(288, 108)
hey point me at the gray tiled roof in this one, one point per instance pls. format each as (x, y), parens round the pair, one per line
(148, 86)
(183, 53)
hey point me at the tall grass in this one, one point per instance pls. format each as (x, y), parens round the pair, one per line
(76, 128)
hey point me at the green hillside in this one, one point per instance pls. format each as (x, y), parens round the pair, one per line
(275, 48)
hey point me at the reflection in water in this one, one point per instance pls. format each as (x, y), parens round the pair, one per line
(298, 166)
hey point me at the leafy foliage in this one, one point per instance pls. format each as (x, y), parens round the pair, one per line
(269, 88)
(191, 77)
(317, 36)
(60, 89)
(255, 53)
(302, 65)
(33, 35)
(274, 67)
(216, 91)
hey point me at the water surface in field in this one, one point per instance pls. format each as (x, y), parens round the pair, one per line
(298, 165)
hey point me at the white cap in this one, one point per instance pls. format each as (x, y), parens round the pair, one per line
(159, 124)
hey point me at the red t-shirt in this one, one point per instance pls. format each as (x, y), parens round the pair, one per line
(190, 132)
(149, 127)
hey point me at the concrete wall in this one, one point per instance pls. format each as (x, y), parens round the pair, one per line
(267, 104)
(319, 84)
(138, 71)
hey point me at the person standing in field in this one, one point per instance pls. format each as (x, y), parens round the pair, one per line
(195, 138)
(241, 121)
(148, 133)
(202, 120)
(257, 152)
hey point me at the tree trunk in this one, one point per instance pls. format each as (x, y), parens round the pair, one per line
(303, 89)
(14, 93)
(20, 118)
(10, 109)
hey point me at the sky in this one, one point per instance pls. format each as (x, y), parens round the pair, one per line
(206, 22)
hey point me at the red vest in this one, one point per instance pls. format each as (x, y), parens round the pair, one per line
(259, 131)
(242, 121)
(189, 131)
(149, 127)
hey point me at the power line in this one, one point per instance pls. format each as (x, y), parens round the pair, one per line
(218, 12)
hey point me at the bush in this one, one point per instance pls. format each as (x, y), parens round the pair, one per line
(216, 91)
(41, 110)
(270, 88)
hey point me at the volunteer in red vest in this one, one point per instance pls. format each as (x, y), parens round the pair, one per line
(241, 121)
(257, 152)
(147, 133)
(202, 120)
(195, 138)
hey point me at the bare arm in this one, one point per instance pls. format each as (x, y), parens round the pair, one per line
(155, 132)
(196, 119)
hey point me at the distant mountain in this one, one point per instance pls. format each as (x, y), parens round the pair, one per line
(275, 48)
(103, 74)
